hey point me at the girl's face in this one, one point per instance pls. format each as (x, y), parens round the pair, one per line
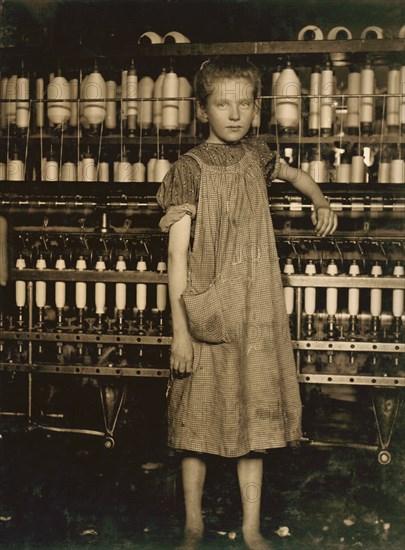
(229, 110)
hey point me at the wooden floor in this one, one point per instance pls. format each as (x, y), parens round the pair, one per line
(67, 491)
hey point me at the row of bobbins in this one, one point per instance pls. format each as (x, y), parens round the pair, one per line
(121, 302)
(353, 300)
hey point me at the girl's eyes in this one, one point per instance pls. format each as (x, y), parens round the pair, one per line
(242, 104)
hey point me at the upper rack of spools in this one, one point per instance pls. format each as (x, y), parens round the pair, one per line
(115, 103)
(341, 121)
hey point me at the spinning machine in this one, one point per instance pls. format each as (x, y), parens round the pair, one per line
(83, 263)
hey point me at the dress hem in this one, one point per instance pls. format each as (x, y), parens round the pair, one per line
(262, 449)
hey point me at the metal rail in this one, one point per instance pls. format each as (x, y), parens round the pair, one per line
(92, 338)
(109, 276)
(336, 345)
(153, 372)
(132, 339)
(363, 380)
(117, 372)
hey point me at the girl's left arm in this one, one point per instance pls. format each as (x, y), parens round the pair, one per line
(323, 217)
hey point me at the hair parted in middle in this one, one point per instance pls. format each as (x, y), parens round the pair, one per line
(224, 67)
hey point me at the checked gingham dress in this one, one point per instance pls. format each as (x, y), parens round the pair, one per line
(243, 393)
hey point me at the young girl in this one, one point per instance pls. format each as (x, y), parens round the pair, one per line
(234, 390)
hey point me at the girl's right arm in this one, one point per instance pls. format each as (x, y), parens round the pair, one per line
(181, 358)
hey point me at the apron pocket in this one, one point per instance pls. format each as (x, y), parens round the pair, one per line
(205, 316)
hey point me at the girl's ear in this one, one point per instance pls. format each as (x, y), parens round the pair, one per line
(201, 113)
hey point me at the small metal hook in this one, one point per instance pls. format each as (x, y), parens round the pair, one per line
(380, 244)
(313, 243)
(145, 246)
(292, 244)
(339, 250)
(85, 243)
(64, 240)
(357, 242)
(104, 244)
(44, 242)
(125, 243)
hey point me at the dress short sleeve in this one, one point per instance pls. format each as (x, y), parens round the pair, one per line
(269, 160)
(178, 192)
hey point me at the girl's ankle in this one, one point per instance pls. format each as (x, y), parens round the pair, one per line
(194, 528)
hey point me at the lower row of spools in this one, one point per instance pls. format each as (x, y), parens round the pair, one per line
(119, 301)
(93, 296)
(394, 299)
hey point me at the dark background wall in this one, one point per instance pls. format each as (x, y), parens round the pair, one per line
(100, 24)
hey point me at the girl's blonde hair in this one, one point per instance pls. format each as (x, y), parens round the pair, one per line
(224, 67)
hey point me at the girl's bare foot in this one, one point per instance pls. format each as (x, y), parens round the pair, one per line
(254, 540)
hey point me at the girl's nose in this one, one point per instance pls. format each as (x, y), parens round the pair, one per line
(234, 113)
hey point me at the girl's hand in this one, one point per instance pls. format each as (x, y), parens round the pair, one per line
(181, 356)
(324, 220)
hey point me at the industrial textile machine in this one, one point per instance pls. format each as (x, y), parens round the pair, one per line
(86, 298)
(83, 276)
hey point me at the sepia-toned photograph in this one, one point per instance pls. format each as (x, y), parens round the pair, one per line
(202, 274)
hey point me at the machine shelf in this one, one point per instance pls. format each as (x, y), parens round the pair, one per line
(132, 339)
(343, 281)
(35, 336)
(274, 47)
(85, 370)
(386, 381)
(186, 140)
(150, 372)
(107, 276)
(337, 345)
(125, 190)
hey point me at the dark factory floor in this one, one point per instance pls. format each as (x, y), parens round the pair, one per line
(67, 491)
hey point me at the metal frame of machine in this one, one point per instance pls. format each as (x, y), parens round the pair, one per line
(112, 220)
